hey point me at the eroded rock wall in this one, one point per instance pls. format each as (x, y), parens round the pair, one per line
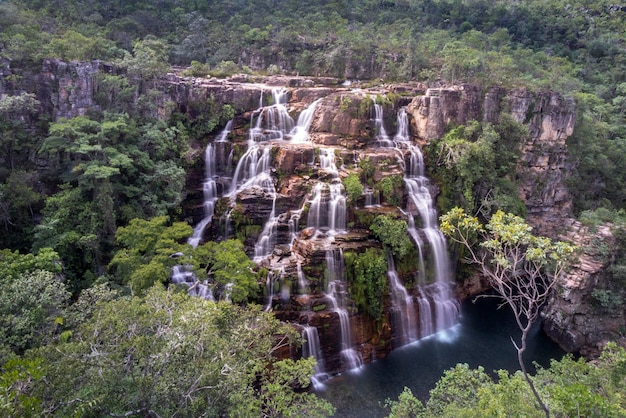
(344, 121)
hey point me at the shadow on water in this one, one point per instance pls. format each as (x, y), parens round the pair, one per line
(481, 338)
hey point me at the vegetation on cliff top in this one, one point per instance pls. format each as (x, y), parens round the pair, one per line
(115, 176)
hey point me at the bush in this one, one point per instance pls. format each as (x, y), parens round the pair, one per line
(393, 234)
(353, 187)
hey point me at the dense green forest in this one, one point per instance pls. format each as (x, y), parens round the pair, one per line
(87, 327)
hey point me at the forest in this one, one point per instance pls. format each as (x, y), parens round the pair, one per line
(90, 207)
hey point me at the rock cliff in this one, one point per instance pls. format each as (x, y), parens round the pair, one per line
(346, 135)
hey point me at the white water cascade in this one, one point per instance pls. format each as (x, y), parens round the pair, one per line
(420, 202)
(327, 209)
(336, 295)
(210, 196)
(382, 139)
(300, 132)
(209, 186)
(402, 305)
(183, 275)
(253, 169)
(311, 348)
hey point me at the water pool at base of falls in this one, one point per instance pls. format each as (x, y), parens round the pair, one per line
(481, 338)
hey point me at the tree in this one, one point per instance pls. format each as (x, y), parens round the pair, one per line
(393, 234)
(31, 309)
(148, 60)
(521, 268)
(145, 251)
(407, 406)
(228, 268)
(170, 354)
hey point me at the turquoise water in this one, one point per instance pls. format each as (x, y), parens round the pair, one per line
(481, 338)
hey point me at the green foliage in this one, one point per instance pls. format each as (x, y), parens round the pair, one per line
(353, 187)
(393, 234)
(16, 377)
(148, 60)
(227, 266)
(146, 247)
(174, 355)
(29, 307)
(407, 406)
(367, 171)
(457, 390)
(225, 69)
(391, 189)
(571, 387)
(367, 277)
(197, 69)
(13, 264)
(476, 166)
(607, 300)
(113, 170)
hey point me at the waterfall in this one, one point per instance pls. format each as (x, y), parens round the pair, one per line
(372, 198)
(420, 202)
(273, 121)
(403, 307)
(336, 295)
(382, 139)
(253, 169)
(266, 241)
(270, 287)
(210, 196)
(183, 275)
(327, 208)
(209, 186)
(311, 348)
(301, 131)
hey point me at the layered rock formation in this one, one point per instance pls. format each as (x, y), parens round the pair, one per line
(345, 126)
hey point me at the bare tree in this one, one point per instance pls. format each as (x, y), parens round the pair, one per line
(521, 268)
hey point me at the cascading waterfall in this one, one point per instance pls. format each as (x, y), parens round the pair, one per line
(382, 139)
(183, 275)
(210, 185)
(311, 348)
(253, 169)
(403, 307)
(300, 132)
(446, 309)
(273, 122)
(210, 196)
(328, 204)
(336, 294)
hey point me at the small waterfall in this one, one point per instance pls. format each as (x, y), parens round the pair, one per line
(372, 198)
(252, 170)
(420, 202)
(382, 139)
(273, 122)
(327, 208)
(270, 287)
(183, 275)
(336, 294)
(302, 283)
(210, 196)
(301, 132)
(403, 307)
(311, 348)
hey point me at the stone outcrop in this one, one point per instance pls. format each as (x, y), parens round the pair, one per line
(573, 316)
